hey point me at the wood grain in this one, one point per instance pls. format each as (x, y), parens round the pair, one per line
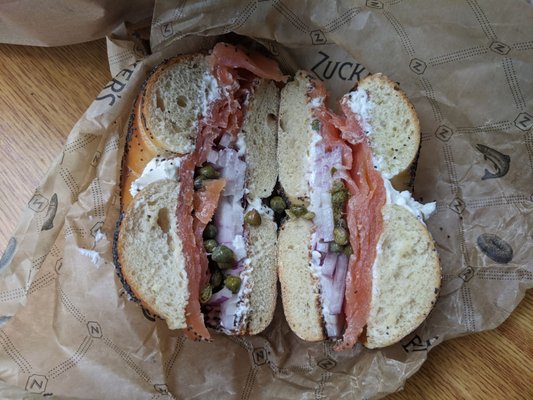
(45, 91)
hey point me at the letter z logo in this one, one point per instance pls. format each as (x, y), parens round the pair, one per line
(36, 383)
(318, 37)
(524, 121)
(167, 30)
(417, 66)
(500, 48)
(38, 203)
(260, 356)
(94, 329)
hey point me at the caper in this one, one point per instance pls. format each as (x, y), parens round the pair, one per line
(216, 278)
(337, 186)
(335, 247)
(210, 231)
(206, 293)
(340, 222)
(315, 125)
(222, 254)
(233, 283)
(278, 204)
(338, 198)
(298, 211)
(208, 172)
(210, 245)
(198, 182)
(340, 235)
(253, 218)
(309, 215)
(227, 265)
(348, 250)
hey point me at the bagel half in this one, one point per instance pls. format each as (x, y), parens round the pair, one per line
(187, 117)
(402, 268)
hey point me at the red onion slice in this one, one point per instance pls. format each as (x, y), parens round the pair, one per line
(321, 246)
(220, 297)
(224, 221)
(328, 267)
(339, 284)
(320, 183)
(225, 140)
(234, 171)
(212, 157)
(334, 324)
(324, 221)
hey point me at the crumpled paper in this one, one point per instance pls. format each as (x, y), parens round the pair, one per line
(68, 328)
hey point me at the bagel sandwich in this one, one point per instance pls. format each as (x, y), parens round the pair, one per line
(356, 261)
(195, 245)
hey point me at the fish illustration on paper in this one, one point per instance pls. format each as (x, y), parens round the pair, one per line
(500, 162)
(8, 253)
(50, 214)
(495, 248)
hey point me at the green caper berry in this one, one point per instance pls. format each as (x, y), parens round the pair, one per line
(208, 172)
(278, 204)
(233, 283)
(337, 186)
(216, 278)
(206, 293)
(253, 218)
(222, 254)
(340, 235)
(348, 250)
(198, 183)
(298, 211)
(210, 245)
(309, 215)
(223, 265)
(335, 247)
(210, 231)
(340, 222)
(315, 125)
(338, 198)
(290, 214)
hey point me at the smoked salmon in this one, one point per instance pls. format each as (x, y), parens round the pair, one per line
(363, 209)
(206, 200)
(196, 329)
(230, 56)
(365, 223)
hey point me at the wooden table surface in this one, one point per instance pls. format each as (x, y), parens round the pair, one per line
(44, 91)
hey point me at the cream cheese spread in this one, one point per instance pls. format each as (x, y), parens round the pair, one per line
(156, 170)
(405, 200)
(210, 92)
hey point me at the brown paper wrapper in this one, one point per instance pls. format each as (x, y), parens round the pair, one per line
(63, 22)
(68, 327)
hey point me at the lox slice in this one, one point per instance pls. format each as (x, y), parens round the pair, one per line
(363, 209)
